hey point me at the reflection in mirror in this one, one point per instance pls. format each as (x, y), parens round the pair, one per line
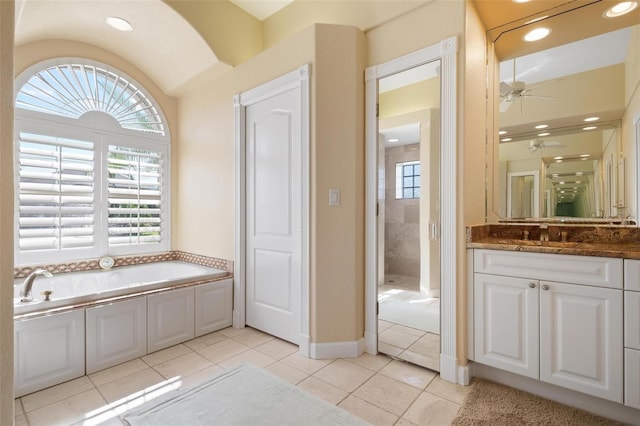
(565, 112)
(523, 194)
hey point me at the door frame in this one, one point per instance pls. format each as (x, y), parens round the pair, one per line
(294, 79)
(446, 52)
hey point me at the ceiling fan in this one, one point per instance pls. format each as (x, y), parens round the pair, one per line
(510, 92)
(539, 144)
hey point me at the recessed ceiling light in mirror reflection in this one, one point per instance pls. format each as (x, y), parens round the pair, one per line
(537, 34)
(590, 119)
(620, 9)
(544, 134)
(119, 23)
(542, 126)
(590, 128)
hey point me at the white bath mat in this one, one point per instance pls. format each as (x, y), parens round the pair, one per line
(244, 395)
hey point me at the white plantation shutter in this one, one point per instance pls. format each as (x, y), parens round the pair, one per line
(135, 196)
(55, 193)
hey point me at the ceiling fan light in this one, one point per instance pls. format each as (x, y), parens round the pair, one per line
(620, 9)
(537, 34)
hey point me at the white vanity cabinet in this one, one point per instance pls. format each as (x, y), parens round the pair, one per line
(170, 318)
(565, 333)
(48, 350)
(213, 306)
(632, 333)
(116, 332)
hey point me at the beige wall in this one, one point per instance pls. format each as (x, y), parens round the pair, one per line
(414, 97)
(205, 218)
(6, 212)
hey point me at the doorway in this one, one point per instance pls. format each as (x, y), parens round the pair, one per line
(408, 215)
(446, 51)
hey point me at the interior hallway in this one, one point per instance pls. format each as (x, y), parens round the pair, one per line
(377, 389)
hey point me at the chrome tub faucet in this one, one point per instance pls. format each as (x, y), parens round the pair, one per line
(25, 292)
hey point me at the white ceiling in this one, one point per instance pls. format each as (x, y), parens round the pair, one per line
(261, 9)
(162, 44)
(569, 59)
(406, 135)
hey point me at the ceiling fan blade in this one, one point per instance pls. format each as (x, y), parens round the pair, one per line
(545, 98)
(505, 104)
(505, 88)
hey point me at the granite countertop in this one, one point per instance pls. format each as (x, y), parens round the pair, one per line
(603, 241)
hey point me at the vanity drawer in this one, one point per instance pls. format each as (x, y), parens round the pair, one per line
(632, 319)
(587, 270)
(632, 274)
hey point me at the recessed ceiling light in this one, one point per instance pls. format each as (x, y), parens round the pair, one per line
(506, 140)
(542, 126)
(585, 156)
(555, 175)
(544, 134)
(119, 23)
(558, 158)
(590, 119)
(561, 182)
(578, 181)
(537, 34)
(579, 173)
(558, 161)
(589, 127)
(393, 140)
(521, 1)
(502, 132)
(620, 9)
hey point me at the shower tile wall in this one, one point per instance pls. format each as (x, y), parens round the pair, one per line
(402, 218)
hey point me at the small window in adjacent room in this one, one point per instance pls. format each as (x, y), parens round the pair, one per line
(408, 180)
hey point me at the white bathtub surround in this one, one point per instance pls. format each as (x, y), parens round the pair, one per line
(97, 319)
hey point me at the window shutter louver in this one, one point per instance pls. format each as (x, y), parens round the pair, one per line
(56, 193)
(135, 196)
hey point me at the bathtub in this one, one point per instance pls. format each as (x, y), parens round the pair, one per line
(76, 288)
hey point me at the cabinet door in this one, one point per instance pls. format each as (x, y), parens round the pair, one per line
(506, 323)
(632, 378)
(48, 350)
(581, 344)
(213, 306)
(170, 318)
(632, 320)
(116, 333)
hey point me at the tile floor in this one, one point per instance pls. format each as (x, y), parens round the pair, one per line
(399, 338)
(379, 389)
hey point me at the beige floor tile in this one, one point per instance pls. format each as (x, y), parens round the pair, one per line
(20, 420)
(409, 330)
(67, 411)
(56, 393)
(220, 351)
(421, 360)
(135, 383)
(409, 373)
(401, 422)
(383, 325)
(387, 393)
(204, 341)
(387, 349)
(200, 376)
(397, 337)
(323, 390)
(118, 371)
(286, 372)
(307, 365)
(429, 409)
(254, 357)
(277, 348)
(426, 345)
(230, 331)
(372, 362)
(344, 375)
(183, 365)
(366, 411)
(17, 407)
(251, 337)
(166, 354)
(450, 391)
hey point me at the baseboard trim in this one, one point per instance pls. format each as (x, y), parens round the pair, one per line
(304, 346)
(592, 404)
(331, 350)
(371, 342)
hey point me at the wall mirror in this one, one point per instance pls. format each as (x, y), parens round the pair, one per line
(563, 107)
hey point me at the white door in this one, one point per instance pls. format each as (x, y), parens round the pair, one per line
(581, 345)
(274, 214)
(506, 323)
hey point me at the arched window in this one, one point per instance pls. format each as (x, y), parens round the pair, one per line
(92, 164)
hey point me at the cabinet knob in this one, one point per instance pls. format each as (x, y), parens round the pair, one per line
(532, 285)
(545, 287)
